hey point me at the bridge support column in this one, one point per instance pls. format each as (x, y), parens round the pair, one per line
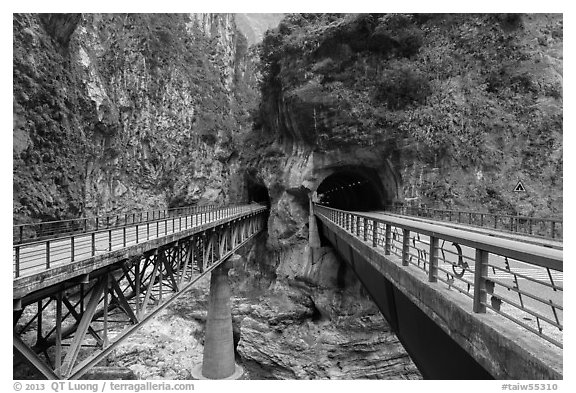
(218, 359)
(313, 235)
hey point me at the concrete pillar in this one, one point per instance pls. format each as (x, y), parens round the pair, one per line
(313, 235)
(218, 358)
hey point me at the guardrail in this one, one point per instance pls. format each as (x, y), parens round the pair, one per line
(542, 227)
(32, 257)
(24, 233)
(522, 282)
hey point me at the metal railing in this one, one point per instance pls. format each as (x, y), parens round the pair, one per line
(32, 257)
(522, 282)
(24, 233)
(550, 228)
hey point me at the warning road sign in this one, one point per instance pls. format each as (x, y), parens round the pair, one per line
(519, 187)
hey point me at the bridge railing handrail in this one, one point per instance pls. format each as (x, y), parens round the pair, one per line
(553, 227)
(116, 236)
(550, 258)
(29, 232)
(383, 233)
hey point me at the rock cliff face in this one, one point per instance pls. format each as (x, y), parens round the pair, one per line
(445, 110)
(121, 112)
(462, 106)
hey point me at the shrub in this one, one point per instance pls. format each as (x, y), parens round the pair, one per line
(401, 86)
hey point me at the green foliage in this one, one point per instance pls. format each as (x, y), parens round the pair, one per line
(401, 86)
(146, 106)
(472, 91)
(44, 99)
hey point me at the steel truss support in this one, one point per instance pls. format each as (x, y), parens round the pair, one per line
(64, 333)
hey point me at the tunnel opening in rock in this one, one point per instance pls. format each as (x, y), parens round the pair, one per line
(258, 193)
(353, 188)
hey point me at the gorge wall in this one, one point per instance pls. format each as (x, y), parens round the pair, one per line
(122, 112)
(449, 111)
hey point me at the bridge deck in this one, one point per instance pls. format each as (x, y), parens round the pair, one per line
(69, 317)
(82, 253)
(499, 298)
(557, 244)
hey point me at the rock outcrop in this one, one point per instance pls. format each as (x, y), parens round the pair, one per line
(462, 106)
(280, 332)
(301, 333)
(122, 112)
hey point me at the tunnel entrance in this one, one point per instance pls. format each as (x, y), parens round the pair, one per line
(258, 193)
(353, 188)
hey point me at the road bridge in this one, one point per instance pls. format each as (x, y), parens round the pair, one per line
(465, 304)
(80, 290)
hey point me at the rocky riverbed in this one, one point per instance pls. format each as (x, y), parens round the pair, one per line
(282, 332)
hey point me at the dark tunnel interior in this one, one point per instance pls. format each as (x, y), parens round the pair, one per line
(258, 193)
(352, 189)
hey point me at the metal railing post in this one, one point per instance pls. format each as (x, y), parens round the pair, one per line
(374, 233)
(405, 247)
(388, 239)
(358, 226)
(72, 248)
(433, 265)
(17, 261)
(110, 240)
(480, 274)
(365, 229)
(48, 255)
(124, 236)
(93, 240)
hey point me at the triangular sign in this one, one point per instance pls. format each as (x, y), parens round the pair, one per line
(519, 187)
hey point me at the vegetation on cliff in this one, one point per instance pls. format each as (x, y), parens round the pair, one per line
(464, 105)
(115, 112)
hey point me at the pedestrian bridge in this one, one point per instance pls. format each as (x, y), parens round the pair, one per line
(82, 286)
(466, 303)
